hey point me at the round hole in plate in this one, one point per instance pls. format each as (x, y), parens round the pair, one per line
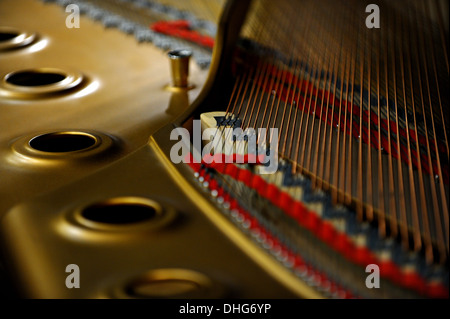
(129, 216)
(117, 213)
(163, 288)
(30, 78)
(63, 147)
(41, 83)
(172, 283)
(62, 142)
(11, 38)
(6, 36)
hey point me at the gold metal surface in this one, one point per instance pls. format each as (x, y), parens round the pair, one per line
(109, 258)
(123, 97)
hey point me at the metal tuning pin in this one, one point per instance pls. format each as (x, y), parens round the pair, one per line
(179, 62)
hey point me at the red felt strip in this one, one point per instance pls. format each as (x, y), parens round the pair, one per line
(181, 29)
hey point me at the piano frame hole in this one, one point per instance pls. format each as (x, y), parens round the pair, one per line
(34, 78)
(11, 38)
(40, 83)
(53, 149)
(127, 214)
(119, 213)
(172, 283)
(7, 36)
(63, 142)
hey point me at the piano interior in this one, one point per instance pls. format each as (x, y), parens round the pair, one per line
(224, 149)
